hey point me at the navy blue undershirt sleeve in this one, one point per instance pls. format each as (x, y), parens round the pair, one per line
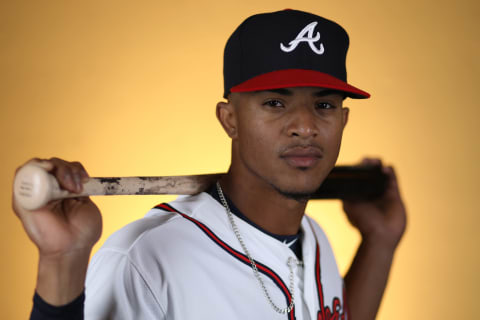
(44, 311)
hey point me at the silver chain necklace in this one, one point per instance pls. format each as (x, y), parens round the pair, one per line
(291, 260)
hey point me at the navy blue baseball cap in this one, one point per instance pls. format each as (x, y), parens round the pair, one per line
(288, 48)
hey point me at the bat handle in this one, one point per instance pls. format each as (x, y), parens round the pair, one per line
(34, 187)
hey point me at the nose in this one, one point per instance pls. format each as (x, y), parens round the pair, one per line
(302, 124)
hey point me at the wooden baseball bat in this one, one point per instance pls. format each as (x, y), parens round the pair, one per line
(34, 187)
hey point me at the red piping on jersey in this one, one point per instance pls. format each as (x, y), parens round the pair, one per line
(262, 268)
(321, 313)
(326, 313)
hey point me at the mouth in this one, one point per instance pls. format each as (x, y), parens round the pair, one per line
(302, 157)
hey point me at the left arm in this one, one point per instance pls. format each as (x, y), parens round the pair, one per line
(381, 223)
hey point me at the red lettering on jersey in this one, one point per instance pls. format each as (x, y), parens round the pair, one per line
(327, 314)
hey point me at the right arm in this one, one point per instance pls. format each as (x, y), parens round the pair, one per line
(64, 231)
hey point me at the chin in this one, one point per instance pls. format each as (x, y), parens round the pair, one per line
(297, 196)
(299, 192)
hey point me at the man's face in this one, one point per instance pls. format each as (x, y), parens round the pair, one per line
(288, 139)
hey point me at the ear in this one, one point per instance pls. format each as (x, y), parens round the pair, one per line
(345, 113)
(227, 117)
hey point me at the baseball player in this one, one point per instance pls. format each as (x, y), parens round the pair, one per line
(244, 249)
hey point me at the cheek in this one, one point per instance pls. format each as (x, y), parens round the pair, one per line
(332, 137)
(258, 141)
(255, 140)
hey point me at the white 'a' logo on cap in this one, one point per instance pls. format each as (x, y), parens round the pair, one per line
(308, 31)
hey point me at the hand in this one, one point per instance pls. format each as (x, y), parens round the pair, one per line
(64, 232)
(381, 221)
(67, 225)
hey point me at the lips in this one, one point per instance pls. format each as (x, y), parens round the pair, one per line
(302, 157)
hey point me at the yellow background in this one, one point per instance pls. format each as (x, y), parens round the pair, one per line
(129, 88)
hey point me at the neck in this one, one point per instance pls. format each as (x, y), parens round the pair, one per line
(262, 204)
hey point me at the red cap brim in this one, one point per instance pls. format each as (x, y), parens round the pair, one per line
(298, 78)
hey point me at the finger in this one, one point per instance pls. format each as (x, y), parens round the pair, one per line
(79, 175)
(64, 174)
(371, 162)
(392, 188)
(365, 161)
(81, 169)
(389, 171)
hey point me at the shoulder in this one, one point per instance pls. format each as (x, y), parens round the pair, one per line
(166, 237)
(163, 221)
(136, 261)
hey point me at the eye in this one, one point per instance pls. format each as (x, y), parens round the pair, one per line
(273, 103)
(325, 105)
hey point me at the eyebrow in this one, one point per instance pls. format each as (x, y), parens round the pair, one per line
(321, 93)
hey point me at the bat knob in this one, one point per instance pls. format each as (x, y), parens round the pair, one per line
(33, 187)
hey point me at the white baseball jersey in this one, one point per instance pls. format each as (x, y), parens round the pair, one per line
(183, 261)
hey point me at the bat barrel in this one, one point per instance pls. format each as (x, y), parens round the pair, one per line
(149, 185)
